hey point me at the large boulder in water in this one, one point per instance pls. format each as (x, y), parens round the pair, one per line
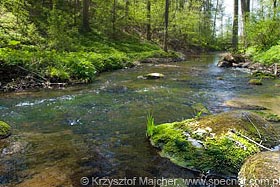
(224, 64)
(5, 130)
(216, 143)
(261, 170)
(231, 60)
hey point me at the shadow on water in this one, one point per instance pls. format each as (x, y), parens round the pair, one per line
(98, 130)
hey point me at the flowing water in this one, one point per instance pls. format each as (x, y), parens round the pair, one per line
(98, 130)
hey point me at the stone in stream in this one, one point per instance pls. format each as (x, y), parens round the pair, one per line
(261, 170)
(231, 60)
(242, 105)
(216, 143)
(5, 130)
(224, 64)
(151, 76)
(154, 76)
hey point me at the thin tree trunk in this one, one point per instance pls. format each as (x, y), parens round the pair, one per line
(245, 10)
(166, 16)
(114, 18)
(86, 4)
(274, 8)
(235, 27)
(149, 37)
(215, 19)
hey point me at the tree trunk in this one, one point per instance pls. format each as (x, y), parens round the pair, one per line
(215, 18)
(114, 18)
(274, 8)
(245, 10)
(149, 37)
(86, 4)
(235, 27)
(166, 21)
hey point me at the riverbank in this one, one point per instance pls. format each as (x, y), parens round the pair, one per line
(29, 67)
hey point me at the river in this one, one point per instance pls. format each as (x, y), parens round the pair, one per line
(98, 130)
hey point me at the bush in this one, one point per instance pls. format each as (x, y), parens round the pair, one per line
(263, 34)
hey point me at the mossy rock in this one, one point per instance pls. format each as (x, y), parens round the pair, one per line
(242, 105)
(255, 82)
(210, 144)
(5, 130)
(268, 116)
(261, 169)
(263, 75)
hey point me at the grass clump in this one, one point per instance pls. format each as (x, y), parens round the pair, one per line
(150, 124)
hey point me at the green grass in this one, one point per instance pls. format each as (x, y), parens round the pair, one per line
(150, 124)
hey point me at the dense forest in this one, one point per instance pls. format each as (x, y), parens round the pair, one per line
(72, 41)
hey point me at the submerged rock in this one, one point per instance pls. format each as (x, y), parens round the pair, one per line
(261, 170)
(255, 82)
(216, 143)
(5, 130)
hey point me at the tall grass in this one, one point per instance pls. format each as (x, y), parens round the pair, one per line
(150, 125)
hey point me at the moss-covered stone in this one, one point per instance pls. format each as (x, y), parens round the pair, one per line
(241, 105)
(5, 130)
(263, 75)
(268, 116)
(209, 143)
(262, 170)
(255, 82)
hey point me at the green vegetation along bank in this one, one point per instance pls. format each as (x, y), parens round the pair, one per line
(25, 67)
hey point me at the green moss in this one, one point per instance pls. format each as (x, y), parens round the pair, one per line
(5, 130)
(209, 144)
(255, 82)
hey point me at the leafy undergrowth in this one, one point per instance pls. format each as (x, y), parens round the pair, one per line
(213, 143)
(266, 57)
(89, 56)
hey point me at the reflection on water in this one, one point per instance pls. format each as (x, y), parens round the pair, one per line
(99, 129)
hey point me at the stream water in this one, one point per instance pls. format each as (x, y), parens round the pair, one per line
(98, 130)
